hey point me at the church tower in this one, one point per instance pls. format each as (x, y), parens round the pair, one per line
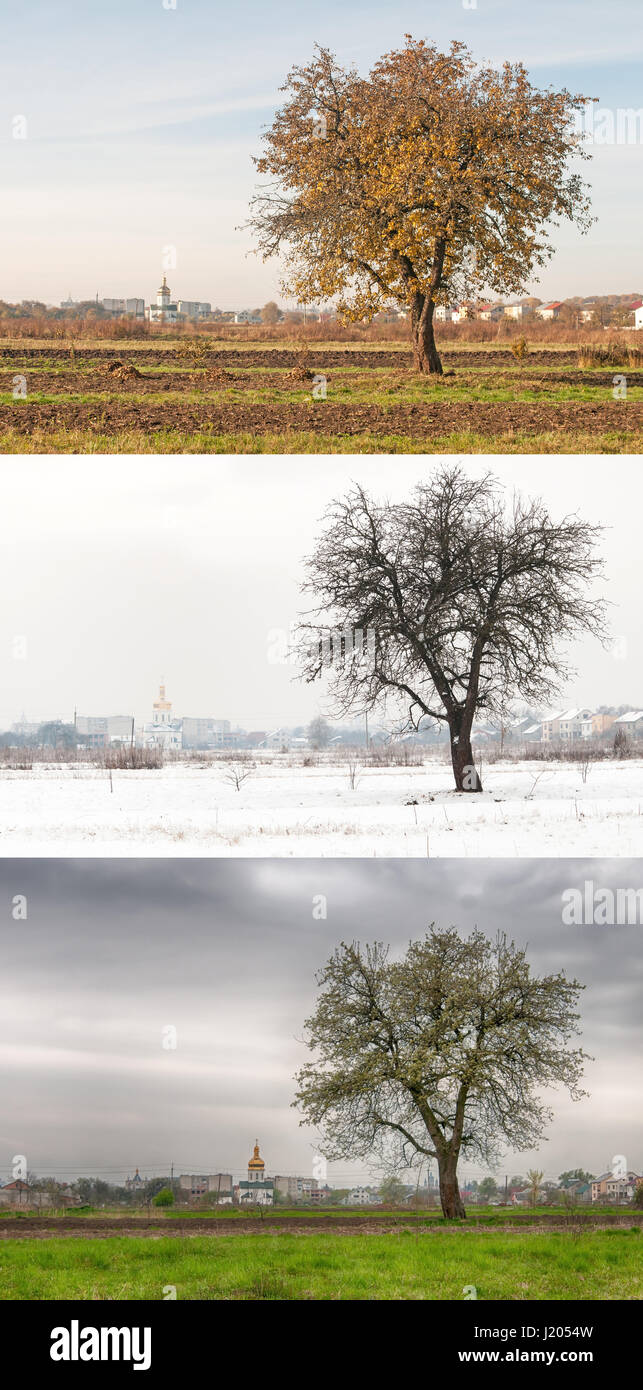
(256, 1165)
(162, 709)
(163, 295)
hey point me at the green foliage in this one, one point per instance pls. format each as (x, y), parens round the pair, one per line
(392, 1191)
(164, 1198)
(574, 1175)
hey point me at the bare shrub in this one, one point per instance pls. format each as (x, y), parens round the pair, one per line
(195, 350)
(136, 759)
(612, 354)
(621, 745)
(564, 753)
(238, 773)
(585, 765)
(395, 754)
(353, 773)
(19, 758)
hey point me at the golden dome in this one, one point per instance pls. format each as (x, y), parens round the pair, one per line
(256, 1161)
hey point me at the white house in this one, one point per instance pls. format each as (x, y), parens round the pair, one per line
(571, 724)
(631, 723)
(533, 734)
(566, 726)
(638, 316)
(490, 312)
(549, 311)
(361, 1197)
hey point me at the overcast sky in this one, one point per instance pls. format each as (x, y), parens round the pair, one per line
(142, 120)
(116, 572)
(113, 952)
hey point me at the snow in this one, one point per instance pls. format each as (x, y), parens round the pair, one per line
(527, 808)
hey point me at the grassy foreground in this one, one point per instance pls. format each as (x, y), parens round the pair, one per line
(430, 1264)
(172, 441)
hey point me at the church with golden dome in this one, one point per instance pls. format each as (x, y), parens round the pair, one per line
(256, 1165)
(163, 731)
(257, 1189)
(163, 311)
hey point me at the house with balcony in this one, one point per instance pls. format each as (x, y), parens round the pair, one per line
(571, 724)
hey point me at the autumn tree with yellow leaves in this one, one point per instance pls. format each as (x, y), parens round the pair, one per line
(429, 180)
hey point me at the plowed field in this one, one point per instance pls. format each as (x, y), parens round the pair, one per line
(334, 399)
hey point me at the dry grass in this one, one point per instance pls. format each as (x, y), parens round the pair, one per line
(612, 354)
(476, 332)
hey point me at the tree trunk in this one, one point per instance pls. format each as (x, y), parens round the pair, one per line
(427, 358)
(453, 1208)
(465, 772)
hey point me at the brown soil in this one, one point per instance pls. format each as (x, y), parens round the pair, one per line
(41, 1227)
(59, 384)
(414, 421)
(56, 383)
(121, 371)
(281, 357)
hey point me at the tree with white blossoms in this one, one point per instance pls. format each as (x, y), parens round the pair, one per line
(441, 1053)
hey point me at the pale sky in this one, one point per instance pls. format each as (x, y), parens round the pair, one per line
(113, 952)
(142, 119)
(116, 572)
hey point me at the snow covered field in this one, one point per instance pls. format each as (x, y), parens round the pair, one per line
(527, 808)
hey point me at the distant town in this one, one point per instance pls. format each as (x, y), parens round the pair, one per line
(603, 730)
(613, 311)
(618, 1186)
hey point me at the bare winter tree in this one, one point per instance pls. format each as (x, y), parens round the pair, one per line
(445, 1052)
(454, 602)
(238, 773)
